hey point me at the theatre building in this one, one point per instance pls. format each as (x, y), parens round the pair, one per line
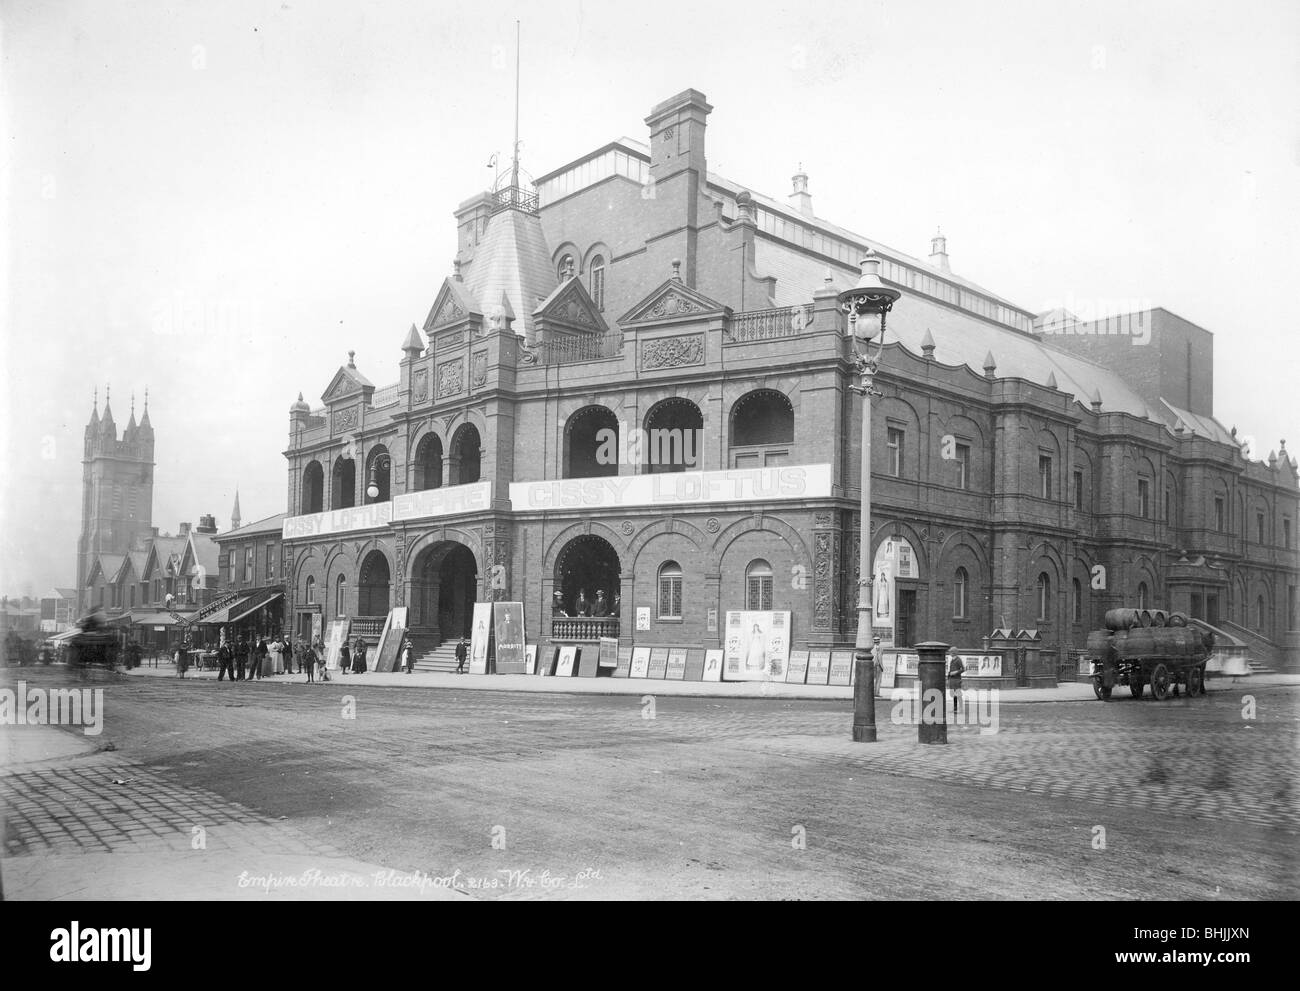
(635, 386)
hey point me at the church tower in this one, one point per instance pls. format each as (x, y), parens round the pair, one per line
(116, 489)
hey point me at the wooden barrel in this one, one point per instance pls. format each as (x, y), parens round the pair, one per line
(1121, 619)
(1159, 618)
(1100, 644)
(1140, 643)
(1144, 618)
(1177, 619)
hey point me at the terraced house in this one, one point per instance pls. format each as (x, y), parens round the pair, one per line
(636, 382)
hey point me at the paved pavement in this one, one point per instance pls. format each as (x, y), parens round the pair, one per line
(674, 796)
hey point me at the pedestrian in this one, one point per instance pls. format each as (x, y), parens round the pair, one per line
(289, 651)
(345, 657)
(408, 656)
(461, 653)
(306, 662)
(359, 657)
(259, 658)
(317, 657)
(955, 668)
(241, 658)
(225, 661)
(276, 650)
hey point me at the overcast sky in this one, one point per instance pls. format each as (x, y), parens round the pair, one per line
(218, 201)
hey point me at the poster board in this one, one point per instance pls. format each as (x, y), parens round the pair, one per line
(640, 662)
(588, 661)
(481, 638)
(757, 645)
(819, 667)
(608, 652)
(658, 663)
(546, 660)
(530, 659)
(694, 665)
(676, 664)
(643, 618)
(841, 667)
(713, 665)
(339, 629)
(391, 640)
(508, 626)
(317, 626)
(887, 661)
(982, 665)
(798, 669)
(624, 668)
(568, 656)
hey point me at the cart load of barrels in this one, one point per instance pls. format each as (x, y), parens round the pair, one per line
(1142, 647)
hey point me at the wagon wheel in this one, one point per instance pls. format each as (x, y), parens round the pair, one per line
(1098, 690)
(1135, 685)
(1160, 683)
(1195, 683)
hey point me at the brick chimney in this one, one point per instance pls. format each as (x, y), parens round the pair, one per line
(677, 151)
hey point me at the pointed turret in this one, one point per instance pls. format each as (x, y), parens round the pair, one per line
(234, 512)
(413, 344)
(107, 427)
(131, 425)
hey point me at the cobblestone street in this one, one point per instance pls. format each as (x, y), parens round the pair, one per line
(709, 798)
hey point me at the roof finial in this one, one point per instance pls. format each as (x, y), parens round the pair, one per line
(96, 399)
(133, 402)
(352, 363)
(455, 264)
(677, 270)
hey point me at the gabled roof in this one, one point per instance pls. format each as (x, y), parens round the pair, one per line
(572, 306)
(453, 303)
(133, 561)
(670, 301)
(1202, 426)
(272, 524)
(107, 565)
(161, 550)
(347, 381)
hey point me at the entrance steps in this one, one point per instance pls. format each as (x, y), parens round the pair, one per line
(442, 660)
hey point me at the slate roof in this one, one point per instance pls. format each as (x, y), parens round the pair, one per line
(513, 259)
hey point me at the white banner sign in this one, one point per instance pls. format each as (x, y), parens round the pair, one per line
(472, 498)
(376, 514)
(674, 488)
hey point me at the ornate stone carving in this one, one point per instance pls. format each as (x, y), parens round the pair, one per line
(399, 554)
(478, 368)
(448, 312)
(822, 582)
(421, 385)
(346, 418)
(451, 377)
(822, 519)
(712, 524)
(627, 528)
(674, 304)
(673, 352)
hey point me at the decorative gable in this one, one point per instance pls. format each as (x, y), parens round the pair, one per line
(347, 382)
(452, 305)
(570, 307)
(673, 300)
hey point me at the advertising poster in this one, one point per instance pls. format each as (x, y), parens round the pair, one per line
(317, 626)
(841, 667)
(480, 638)
(658, 663)
(712, 665)
(640, 662)
(643, 617)
(546, 660)
(568, 654)
(819, 666)
(508, 618)
(588, 663)
(757, 646)
(894, 559)
(694, 665)
(391, 640)
(887, 661)
(798, 669)
(676, 664)
(338, 634)
(624, 668)
(905, 663)
(609, 652)
(981, 665)
(530, 659)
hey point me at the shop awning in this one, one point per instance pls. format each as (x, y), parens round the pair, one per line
(153, 619)
(250, 608)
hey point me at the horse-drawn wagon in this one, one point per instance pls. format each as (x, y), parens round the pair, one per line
(1148, 647)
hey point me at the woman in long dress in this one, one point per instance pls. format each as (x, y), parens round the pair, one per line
(359, 657)
(757, 652)
(345, 658)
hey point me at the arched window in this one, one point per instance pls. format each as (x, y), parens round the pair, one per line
(591, 443)
(379, 472)
(758, 586)
(311, 591)
(1142, 596)
(1044, 595)
(340, 595)
(670, 590)
(959, 601)
(1259, 614)
(428, 463)
(343, 488)
(1076, 602)
(130, 592)
(596, 281)
(466, 455)
(313, 488)
(564, 270)
(762, 428)
(674, 439)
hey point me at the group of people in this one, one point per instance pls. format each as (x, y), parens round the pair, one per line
(252, 659)
(582, 606)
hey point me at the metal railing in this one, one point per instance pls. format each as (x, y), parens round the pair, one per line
(584, 627)
(514, 198)
(768, 325)
(569, 350)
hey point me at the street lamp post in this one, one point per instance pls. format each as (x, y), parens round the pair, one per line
(381, 463)
(869, 298)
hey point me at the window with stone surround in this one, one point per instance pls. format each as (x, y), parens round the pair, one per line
(758, 586)
(670, 590)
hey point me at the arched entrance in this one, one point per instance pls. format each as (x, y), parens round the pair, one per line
(444, 588)
(374, 585)
(588, 564)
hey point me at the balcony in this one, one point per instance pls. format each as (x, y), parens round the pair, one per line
(514, 198)
(584, 628)
(570, 350)
(768, 325)
(368, 626)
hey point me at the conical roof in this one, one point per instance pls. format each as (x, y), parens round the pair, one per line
(513, 259)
